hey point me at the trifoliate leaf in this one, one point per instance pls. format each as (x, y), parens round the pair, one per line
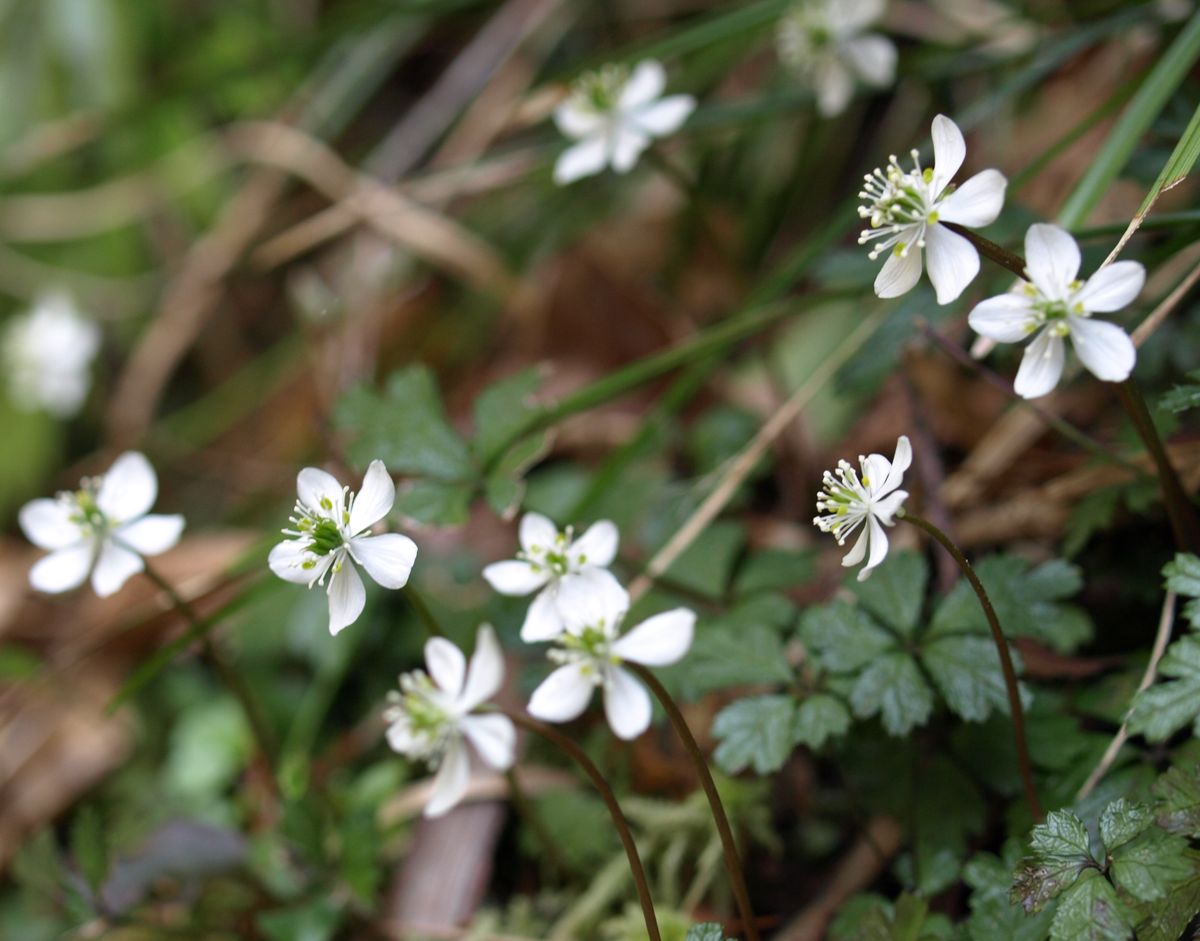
(1150, 864)
(1121, 821)
(893, 688)
(501, 411)
(1060, 851)
(1177, 809)
(843, 636)
(707, 931)
(819, 718)
(434, 502)
(405, 427)
(1183, 576)
(1184, 397)
(1090, 911)
(1168, 706)
(966, 668)
(895, 591)
(755, 733)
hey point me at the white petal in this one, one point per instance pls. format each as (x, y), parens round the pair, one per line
(586, 158)
(951, 261)
(627, 145)
(388, 558)
(1104, 348)
(949, 151)
(375, 500)
(537, 532)
(62, 570)
(664, 117)
(151, 534)
(873, 57)
(859, 550)
(659, 640)
(400, 736)
(1112, 287)
(542, 620)
(885, 476)
(1051, 259)
(977, 202)
(626, 704)
(447, 665)
(562, 696)
(494, 737)
(114, 567)
(577, 122)
(320, 491)
(516, 577)
(451, 781)
(47, 524)
(1041, 366)
(886, 508)
(850, 16)
(834, 86)
(644, 85)
(485, 674)
(1005, 318)
(899, 274)
(597, 546)
(287, 561)
(129, 488)
(347, 597)
(591, 598)
(879, 545)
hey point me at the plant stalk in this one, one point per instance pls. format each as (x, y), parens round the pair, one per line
(424, 614)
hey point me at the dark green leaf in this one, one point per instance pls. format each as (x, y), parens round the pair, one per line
(819, 718)
(895, 591)
(1178, 807)
(773, 570)
(1182, 398)
(434, 502)
(755, 733)
(707, 564)
(1150, 864)
(1165, 919)
(1090, 911)
(893, 687)
(501, 411)
(1168, 706)
(994, 917)
(843, 636)
(313, 921)
(1183, 576)
(1060, 851)
(504, 487)
(89, 846)
(728, 655)
(966, 668)
(1121, 821)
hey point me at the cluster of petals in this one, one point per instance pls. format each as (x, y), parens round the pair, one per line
(906, 212)
(436, 713)
(1054, 305)
(865, 503)
(47, 354)
(826, 44)
(613, 114)
(330, 536)
(103, 529)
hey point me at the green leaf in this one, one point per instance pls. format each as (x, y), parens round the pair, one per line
(1165, 919)
(948, 812)
(843, 636)
(1090, 911)
(1183, 576)
(895, 591)
(1166, 707)
(434, 502)
(893, 687)
(1150, 864)
(993, 916)
(755, 733)
(404, 426)
(1185, 397)
(706, 931)
(707, 564)
(1178, 806)
(1121, 821)
(89, 846)
(579, 824)
(728, 655)
(774, 570)
(819, 718)
(1060, 851)
(504, 487)
(1179, 164)
(313, 921)
(501, 411)
(966, 669)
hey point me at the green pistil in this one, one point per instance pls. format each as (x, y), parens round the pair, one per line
(426, 718)
(88, 516)
(325, 536)
(593, 643)
(602, 90)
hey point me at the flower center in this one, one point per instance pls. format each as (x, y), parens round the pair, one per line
(84, 512)
(556, 557)
(420, 705)
(898, 205)
(843, 501)
(599, 92)
(319, 528)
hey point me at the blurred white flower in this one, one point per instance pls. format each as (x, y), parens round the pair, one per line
(826, 44)
(591, 650)
(104, 527)
(550, 560)
(431, 718)
(904, 210)
(870, 501)
(47, 354)
(614, 114)
(328, 539)
(1054, 305)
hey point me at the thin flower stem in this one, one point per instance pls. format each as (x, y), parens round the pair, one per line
(1001, 256)
(733, 863)
(1006, 663)
(424, 615)
(229, 676)
(579, 756)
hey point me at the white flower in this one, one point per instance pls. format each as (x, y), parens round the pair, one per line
(104, 527)
(614, 114)
(1054, 305)
(433, 714)
(46, 354)
(825, 43)
(871, 501)
(593, 648)
(328, 538)
(905, 210)
(551, 560)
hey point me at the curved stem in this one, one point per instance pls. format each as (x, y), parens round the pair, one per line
(1006, 663)
(428, 621)
(733, 862)
(579, 756)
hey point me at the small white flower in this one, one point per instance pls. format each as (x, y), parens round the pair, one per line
(550, 560)
(905, 209)
(328, 539)
(591, 650)
(433, 714)
(104, 527)
(46, 355)
(871, 501)
(614, 114)
(1054, 305)
(825, 43)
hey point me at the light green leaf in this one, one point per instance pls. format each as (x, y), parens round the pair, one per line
(1150, 864)
(1183, 576)
(706, 931)
(819, 718)
(729, 655)
(1165, 919)
(1185, 397)
(707, 564)
(843, 636)
(1060, 851)
(893, 687)
(1121, 821)
(313, 921)
(501, 410)
(1166, 707)
(1090, 911)
(755, 733)
(895, 591)
(434, 502)
(1178, 165)
(993, 916)
(504, 487)
(1178, 806)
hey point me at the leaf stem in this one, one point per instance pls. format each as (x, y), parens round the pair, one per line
(1006, 663)
(424, 614)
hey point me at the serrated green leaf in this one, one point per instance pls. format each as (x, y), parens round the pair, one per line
(502, 410)
(1090, 911)
(994, 917)
(1166, 707)
(504, 487)
(727, 655)
(1150, 864)
(706, 931)
(89, 846)
(1182, 398)
(1121, 821)
(1177, 809)
(1062, 834)
(843, 636)
(819, 718)
(1183, 576)
(1060, 851)
(966, 669)
(893, 688)
(895, 591)
(755, 733)
(1165, 919)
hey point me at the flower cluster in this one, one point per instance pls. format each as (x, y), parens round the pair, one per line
(47, 354)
